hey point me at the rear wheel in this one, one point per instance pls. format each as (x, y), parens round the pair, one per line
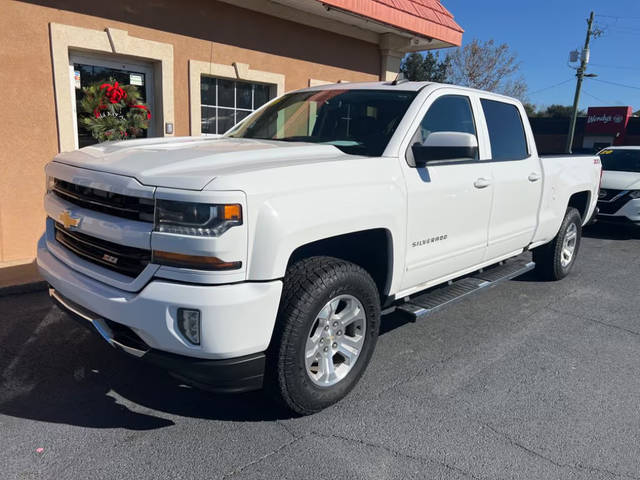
(326, 332)
(555, 259)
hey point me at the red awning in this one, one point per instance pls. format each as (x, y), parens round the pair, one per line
(425, 18)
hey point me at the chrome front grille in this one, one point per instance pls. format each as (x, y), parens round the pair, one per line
(128, 261)
(124, 206)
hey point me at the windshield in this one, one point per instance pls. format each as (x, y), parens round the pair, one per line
(358, 122)
(620, 160)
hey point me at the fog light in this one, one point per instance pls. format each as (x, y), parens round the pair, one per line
(189, 324)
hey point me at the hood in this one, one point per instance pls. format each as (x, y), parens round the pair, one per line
(620, 180)
(192, 162)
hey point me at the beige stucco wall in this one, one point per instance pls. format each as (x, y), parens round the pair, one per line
(200, 30)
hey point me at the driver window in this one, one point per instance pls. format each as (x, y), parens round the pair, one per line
(449, 113)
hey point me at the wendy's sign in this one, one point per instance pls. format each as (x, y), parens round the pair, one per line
(607, 120)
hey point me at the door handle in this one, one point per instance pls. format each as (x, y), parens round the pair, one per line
(482, 183)
(534, 177)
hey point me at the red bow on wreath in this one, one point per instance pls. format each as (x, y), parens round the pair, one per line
(96, 111)
(143, 108)
(114, 92)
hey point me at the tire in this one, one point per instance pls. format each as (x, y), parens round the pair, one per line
(312, 288)
(551, 258)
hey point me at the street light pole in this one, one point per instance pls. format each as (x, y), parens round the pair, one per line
(580, 74)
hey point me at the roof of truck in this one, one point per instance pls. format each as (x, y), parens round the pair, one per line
(408, 86)
(400, 86)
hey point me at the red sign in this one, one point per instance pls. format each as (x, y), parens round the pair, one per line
(607, 121)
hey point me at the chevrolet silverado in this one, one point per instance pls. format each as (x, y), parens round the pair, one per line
(266, 256)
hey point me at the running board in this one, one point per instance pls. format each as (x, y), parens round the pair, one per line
(423, 305)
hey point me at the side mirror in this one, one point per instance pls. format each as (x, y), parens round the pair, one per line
(443, 146)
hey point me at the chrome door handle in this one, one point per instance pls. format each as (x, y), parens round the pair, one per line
(482, 183)
(534, 177)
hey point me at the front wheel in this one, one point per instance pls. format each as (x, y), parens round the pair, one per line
(555, 259)
(325, 334)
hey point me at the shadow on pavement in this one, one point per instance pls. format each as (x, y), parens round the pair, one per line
(609, 231)
(53, 370)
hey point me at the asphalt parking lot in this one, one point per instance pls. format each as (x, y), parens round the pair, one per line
(528, 380)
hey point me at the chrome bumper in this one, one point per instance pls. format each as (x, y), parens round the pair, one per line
(93, 320)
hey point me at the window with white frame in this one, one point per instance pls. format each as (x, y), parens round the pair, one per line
(226, 102)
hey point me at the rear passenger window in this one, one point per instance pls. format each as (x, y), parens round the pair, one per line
(506, 132)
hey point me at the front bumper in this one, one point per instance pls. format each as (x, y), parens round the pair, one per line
(628, 212)
(231, 375)
(237, 321)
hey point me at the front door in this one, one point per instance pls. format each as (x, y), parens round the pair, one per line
(89, 69)
(517, 178)
(449, 203)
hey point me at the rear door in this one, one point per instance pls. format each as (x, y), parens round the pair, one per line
(448, 203)
(517, 178)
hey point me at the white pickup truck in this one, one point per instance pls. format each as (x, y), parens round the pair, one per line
(265, 257)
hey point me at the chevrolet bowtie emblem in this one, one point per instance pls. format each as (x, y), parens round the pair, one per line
(67, 220)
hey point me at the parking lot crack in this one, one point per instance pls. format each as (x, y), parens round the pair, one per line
(576, 466)
(528, 450)
(419, 373)
(396, 453)
(600, 322)
(263, 457)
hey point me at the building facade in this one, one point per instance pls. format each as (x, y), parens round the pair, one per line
(600, 128)
(199, 65)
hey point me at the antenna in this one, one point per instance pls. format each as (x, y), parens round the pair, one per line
(400, 78)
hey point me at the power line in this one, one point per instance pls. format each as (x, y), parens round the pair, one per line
(551, 86)
(616, 17)
(615, 83)
(618, 29)
(619, 67)
(593, 96)
(622, 34)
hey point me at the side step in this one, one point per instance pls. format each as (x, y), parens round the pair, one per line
(435, 299)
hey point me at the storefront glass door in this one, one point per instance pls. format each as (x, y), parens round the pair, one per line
(89, 70)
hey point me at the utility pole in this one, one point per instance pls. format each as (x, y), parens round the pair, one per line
(584, 60)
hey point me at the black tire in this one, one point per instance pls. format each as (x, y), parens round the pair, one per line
(308, 285)
(548, 257)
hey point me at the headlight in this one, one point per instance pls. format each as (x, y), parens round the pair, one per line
(197, 219)
(634, 193)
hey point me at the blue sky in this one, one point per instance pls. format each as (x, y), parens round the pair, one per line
(543, 32)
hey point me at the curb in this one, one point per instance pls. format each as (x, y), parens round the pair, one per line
(24, 288)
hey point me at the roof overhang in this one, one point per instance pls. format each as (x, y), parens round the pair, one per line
(374, 21)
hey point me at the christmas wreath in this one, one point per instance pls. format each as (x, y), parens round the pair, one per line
(111, 111)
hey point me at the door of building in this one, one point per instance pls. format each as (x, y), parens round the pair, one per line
(89, 69)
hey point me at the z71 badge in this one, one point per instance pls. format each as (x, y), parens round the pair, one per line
(426, 241)
(110, 258)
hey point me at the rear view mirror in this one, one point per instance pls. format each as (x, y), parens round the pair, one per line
(443, 146)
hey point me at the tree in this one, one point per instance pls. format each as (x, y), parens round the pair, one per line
(559, 111)
(487, 66)
(636, 113)
(531, 109)
(424, 68)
